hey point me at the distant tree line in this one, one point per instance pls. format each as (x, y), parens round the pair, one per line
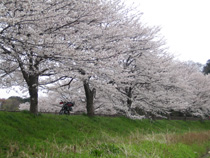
(206, 68)
(12, 103)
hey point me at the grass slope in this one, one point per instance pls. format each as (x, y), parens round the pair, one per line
(25, 135)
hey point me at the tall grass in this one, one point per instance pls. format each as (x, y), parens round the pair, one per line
(52, 136)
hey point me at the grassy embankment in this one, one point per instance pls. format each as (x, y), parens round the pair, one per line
(53, 136)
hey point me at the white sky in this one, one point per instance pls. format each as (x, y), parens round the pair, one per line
(6, 93)
(185, 25)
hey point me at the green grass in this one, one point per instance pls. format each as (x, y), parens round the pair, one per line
(52, 136)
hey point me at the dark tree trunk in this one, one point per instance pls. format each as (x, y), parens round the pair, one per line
(128, 91)
(185, 117)
(31, 75)
(89, 98)
(169, 116)
(33, 92)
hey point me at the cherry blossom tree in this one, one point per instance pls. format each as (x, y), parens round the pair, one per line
(199, 89)
(100, 49)
(97, 52)
(136, 67)
(38, 38)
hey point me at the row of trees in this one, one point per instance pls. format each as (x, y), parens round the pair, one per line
(95, 52)
(12, 103)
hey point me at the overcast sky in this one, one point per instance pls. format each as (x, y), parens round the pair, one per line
(185, 25)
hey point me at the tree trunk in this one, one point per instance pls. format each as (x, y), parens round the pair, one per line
(168, 116)
(185, 117)
(128, 91)
(33, 92)
(89, 98)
